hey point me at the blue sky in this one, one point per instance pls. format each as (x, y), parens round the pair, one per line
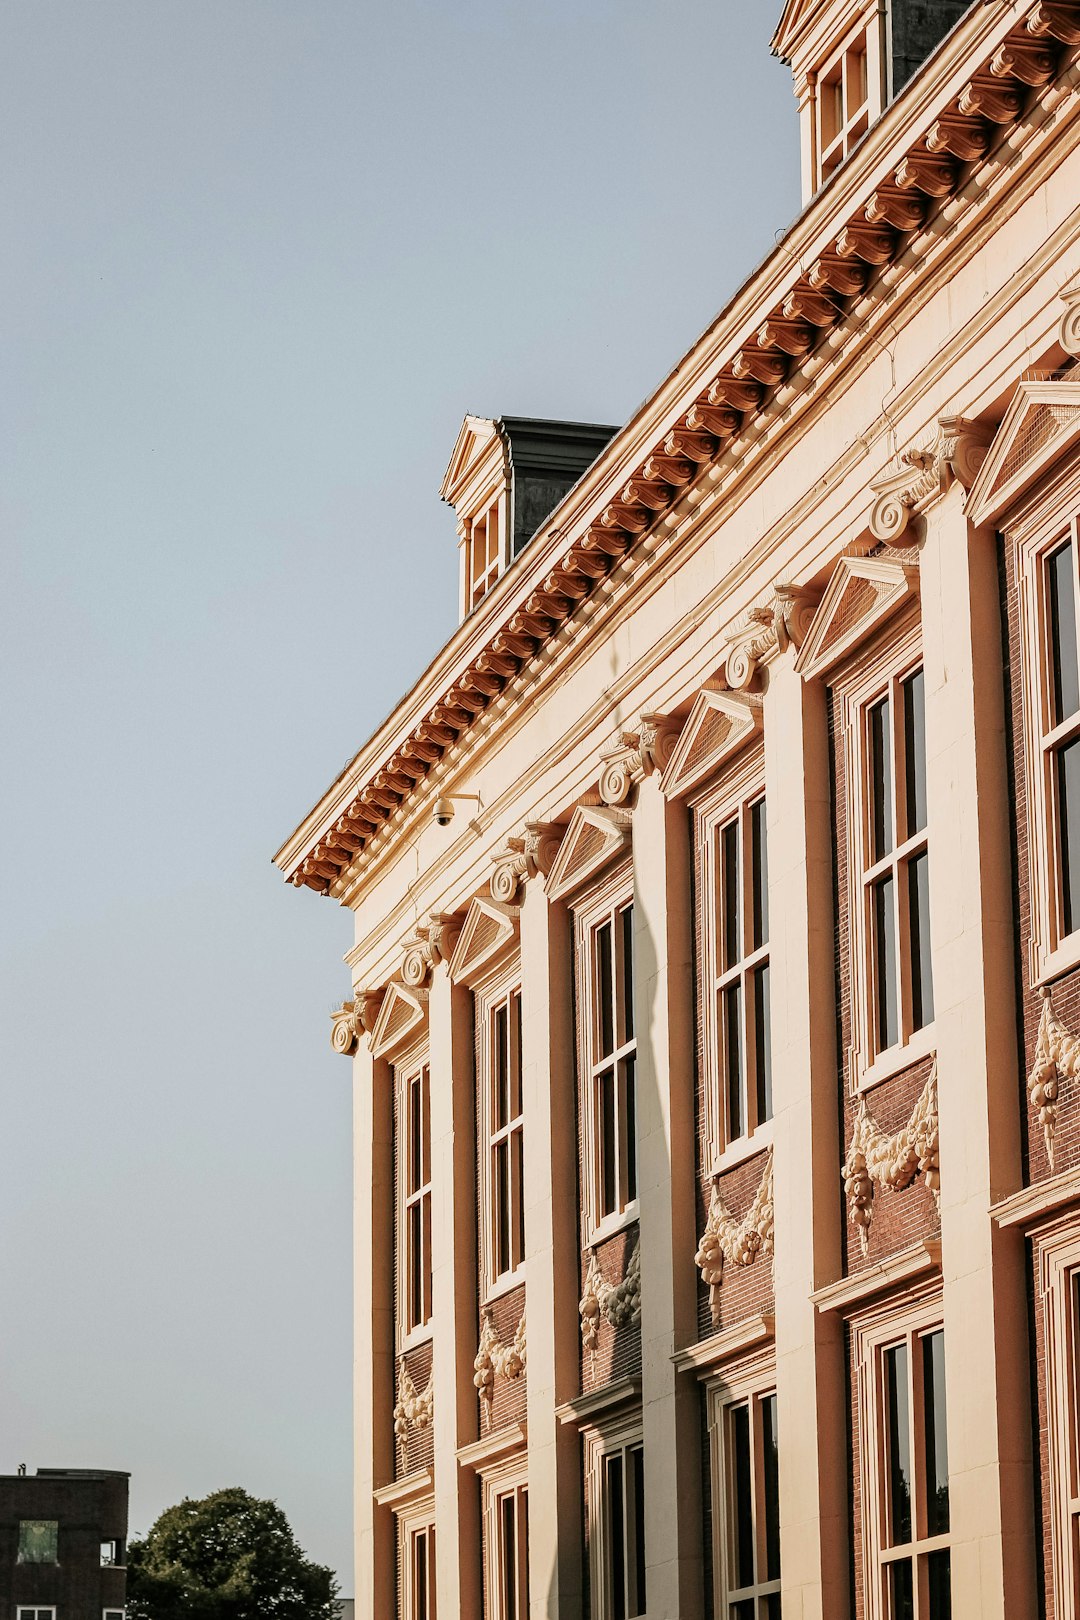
(260, 257)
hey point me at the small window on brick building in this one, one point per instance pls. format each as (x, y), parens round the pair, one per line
(38, 1541)
(414, 1175)
(503, 1125)
(606, 961)
(36, 1614)
(112, 1553)
(745, 1471)
(112, 1614)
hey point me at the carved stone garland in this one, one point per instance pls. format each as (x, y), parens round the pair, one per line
(636, 754)
(923, 472)
(1057, 1056)
(415, 1408)
(738, 1242)
(353, 1020)
(617, 1303)
(770, 628)
(497, 1360)
(523, 858)
(877, 1158)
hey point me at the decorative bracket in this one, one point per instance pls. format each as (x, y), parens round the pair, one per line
(523, 858)
(891, 1161)
(636, 754)
(921, 474)
(766, 630)
(738, 1242)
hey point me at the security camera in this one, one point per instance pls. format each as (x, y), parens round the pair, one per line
(442, 812)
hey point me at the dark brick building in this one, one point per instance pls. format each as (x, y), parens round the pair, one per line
(63, 1544)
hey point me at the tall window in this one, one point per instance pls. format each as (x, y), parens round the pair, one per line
(1057, 1283)
(741, 968)
(623, 1497)
(895, 866)
(843, 104)
(746, 1490)
(611, 1062)
(913, 1501)
(484, 553)
(510, 1535)
(415, 1173)
(419, 1573)
(505, 1133)
(1061, 729)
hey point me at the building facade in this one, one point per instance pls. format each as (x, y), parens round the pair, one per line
(715, 1029)
(63, 1544)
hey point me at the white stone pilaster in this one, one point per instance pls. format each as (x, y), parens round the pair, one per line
(986, 1357)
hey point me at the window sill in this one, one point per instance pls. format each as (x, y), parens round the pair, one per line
(895, 1060)
(506, 1284)
(416, 1339)
(1050, 965)
(612, 1225)
(743, 1149)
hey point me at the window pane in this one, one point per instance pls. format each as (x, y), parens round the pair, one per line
(901, 1599)
(425, 1126)
(415, 1157)
(888, 1020)
(769, 1607)
(759, 859)
(502, 1207)
(629, 1076)
(770, 1488)
(502, 1067)
(523, 1549)
(413, 1266)
(609, 1152)
(1065, 696)
(741, 1510)
(1068, 775)
(940, 1584)
(515, 1054)
(420, 1576)
(881, 784)
(899, 1445)
(425, 1261)
(627, 916)
(38, 1541)
(509, 1560)
(915, 752)
(517, 1201)
(762, 1042)
(616, 1532)
(605, 984)
(743, 1610)
(922, 978)
(635, 1529)
(937, 1449)
(732, 1006)
(731, 894)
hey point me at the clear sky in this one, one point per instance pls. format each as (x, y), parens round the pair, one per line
(259, 258)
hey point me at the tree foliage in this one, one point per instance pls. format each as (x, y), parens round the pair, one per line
(229, 1556)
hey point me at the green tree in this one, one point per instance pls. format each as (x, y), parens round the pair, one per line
(229, 1556)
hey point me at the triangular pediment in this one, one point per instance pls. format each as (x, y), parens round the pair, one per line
(490, 929)
(862, 593)
(796, 15)
(473, 441)
(596, 834)
(402, 1017)
(1040, 425)
(719, 724)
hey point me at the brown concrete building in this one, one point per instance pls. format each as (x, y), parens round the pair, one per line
(63, 1542)
(716, 1018)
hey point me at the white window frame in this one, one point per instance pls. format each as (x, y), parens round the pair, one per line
(1059, 1279)
(113, 1614)
(733, 800)
(480, 584)
(501, 991)
(411, 1067)
(413, 1522)
(1054, 520)
(617, 1436)
(605, 903)
(507, 1480)
(745, 1385)
(897, 656)
(908, 1320)
(34, 1611)
(854, 121)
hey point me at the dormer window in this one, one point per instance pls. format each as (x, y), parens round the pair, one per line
(843, 104)
(485, 552)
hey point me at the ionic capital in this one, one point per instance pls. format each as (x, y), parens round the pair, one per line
(1069, 325)
(767, 629)
(434, 943)
(923, 473)
(354, 1019)
(530, 854)
(633, 755)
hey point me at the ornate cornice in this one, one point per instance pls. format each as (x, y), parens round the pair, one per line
(765, 348)
(633, 755)
(530, 855)
(768, 629)
(921, 474)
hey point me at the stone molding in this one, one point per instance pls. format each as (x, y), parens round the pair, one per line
(765, 631)
(1057, 1057)
(532, 853)
(862, 592)
(718, 725)
(618, 1303)
(920, 475)
(634, 755)
(1040, 425)
(355, 1019)
(497, 1360)
(413, 1409)
(595, 835)
(434, 943)
(891, 1161)
(739, 1242)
